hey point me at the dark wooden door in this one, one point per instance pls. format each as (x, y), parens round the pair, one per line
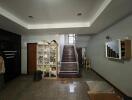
(31, 57)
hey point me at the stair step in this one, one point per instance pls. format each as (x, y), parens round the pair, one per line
(68, 67)
(69, 64)
(69, 60)
(69, 75)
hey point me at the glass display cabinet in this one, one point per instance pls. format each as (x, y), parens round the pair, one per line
(47, 58)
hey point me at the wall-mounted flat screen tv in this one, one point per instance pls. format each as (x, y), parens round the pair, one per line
(113, 49)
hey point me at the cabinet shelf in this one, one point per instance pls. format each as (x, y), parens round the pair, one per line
(47, 54)
(126, 49)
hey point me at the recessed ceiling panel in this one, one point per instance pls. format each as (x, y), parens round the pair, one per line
(52, 11)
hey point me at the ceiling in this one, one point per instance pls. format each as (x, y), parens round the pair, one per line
(61, 16)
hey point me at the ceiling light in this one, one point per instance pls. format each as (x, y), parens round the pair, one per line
(30, 17)
(79, 14)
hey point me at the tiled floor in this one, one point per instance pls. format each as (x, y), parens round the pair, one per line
(24, 88)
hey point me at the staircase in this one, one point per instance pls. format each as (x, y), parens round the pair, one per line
(69, 63)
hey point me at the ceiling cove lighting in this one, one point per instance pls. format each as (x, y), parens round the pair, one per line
(59, 25)
(27, 25)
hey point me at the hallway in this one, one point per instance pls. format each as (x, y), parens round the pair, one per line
(24, 88)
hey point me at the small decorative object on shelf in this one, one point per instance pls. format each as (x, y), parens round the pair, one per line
(47, 58)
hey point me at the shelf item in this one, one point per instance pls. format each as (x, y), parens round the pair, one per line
(47, 58)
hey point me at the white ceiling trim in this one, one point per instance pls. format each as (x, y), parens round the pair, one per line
(100, 10)
(12, 17)
(15, 19)
(59, 25)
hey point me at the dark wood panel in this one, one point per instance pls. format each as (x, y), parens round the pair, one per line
(31, 57)
(11, 42)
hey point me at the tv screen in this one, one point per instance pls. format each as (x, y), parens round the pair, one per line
(113, 49)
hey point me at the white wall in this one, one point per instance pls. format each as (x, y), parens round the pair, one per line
(66, 39)
(34, 39)
(62, 43)
(82, 41)
(117, 72)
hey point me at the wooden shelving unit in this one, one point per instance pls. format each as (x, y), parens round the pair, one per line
(126, 49)
(47, 58)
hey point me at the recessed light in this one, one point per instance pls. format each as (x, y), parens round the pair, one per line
(79, 14)
(30, 17)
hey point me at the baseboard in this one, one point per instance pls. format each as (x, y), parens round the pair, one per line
(118, 90)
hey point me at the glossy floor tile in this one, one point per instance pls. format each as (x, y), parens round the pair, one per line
(24, 88)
